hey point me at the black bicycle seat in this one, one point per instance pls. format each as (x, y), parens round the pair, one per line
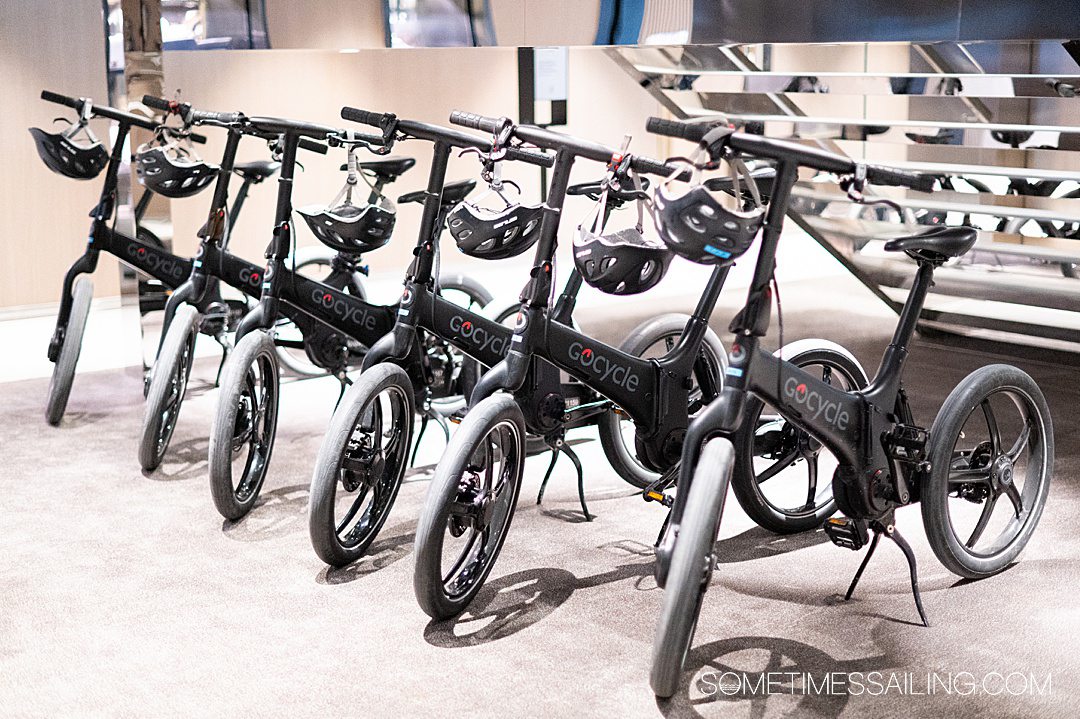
(256, 171)
(763, 177)
(593, 190)
(386, 169)
(453, 193)
(935, 245)
(939, 138)
(1012, 138)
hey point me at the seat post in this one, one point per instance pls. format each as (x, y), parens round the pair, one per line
(909, 315)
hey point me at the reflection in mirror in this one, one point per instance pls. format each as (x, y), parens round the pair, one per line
(213, 25)
(439, 23)
(995, 122)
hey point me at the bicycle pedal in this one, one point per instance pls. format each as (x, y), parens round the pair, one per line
(651, 495)
(848, 533)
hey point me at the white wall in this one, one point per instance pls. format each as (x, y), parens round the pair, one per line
(61, 47)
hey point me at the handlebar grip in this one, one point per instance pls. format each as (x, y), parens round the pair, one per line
(312, 146)
(157, 103)
(651, 167)
(674, 128)
(900, 178)
(365, 117)
(224, 118)
(475, 122)
(529, 156)
(197, 138)
(60, 99)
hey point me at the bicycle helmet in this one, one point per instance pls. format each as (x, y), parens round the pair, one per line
(62, 155)
(168, 166)
(495, 233)
(696, 225)
(347, 227)
(622, 262)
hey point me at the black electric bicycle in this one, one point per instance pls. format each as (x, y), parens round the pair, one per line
(296, 333)
(473, 495)
(958, 469)
(146, 252)
(342, 325)
(363, 456)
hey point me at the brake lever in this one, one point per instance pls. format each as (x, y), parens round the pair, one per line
(855, 185)
(276, 150)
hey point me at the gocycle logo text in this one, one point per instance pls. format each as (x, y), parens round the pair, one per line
(154, 262)
(604, 368)
(341, 308)
(478, 336)
(815, 404)
(250, 276)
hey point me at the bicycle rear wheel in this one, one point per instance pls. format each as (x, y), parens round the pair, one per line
(783, 476)
(654, 338)
(992, 440)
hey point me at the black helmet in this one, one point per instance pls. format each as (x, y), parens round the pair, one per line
(694, 223)
(63, 155)
(167, 167)
(623, 262)
(351, 228)
(495, 234)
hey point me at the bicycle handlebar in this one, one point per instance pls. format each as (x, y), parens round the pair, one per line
(193, 116)
(109, 113)
(551, 140)
(758, 146)
(189, 114)
(389, 122)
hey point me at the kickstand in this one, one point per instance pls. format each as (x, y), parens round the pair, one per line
(664, 526)
(444, 425)
(560, 446)
(891, 532)
(223, 341)
(419, 435)
(345, 382)
(547, 475)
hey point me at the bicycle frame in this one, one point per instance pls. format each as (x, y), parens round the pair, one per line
(855, 426)
(213, 262)
(163, 266)
(422, 307)
(283, 291)
(654, 391)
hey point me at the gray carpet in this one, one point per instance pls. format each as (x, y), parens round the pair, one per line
(127, 595)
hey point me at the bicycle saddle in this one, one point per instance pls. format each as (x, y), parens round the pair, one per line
(940, 138)
(763, 176)
(1012, 138)
(935, 245)
(257, 171)
(453, 193)
(386, 169)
